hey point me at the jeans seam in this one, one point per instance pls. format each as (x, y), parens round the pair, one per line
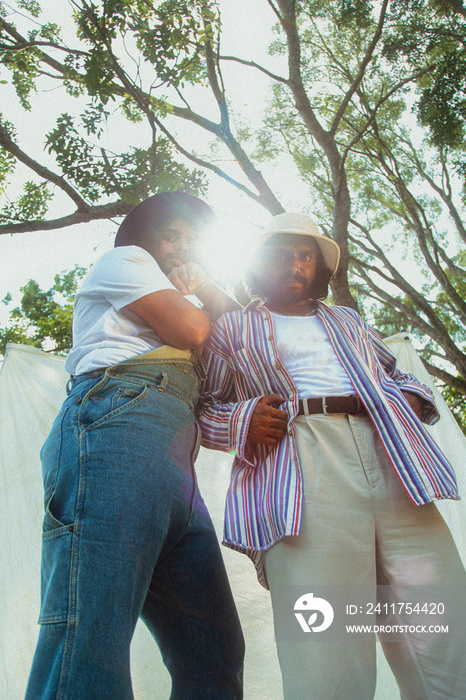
(73, 580)
(194, 479)
(66, 661)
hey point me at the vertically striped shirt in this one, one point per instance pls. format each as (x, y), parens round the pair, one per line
(264, 500)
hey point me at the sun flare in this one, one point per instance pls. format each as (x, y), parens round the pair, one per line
(227, 249)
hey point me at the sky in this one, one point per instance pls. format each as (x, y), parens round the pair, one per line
(41, 255)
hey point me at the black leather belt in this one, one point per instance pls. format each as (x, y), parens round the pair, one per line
(330, 404)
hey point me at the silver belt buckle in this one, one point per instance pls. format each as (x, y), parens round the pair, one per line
(324, 405)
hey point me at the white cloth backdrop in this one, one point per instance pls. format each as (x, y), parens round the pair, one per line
(32, 387)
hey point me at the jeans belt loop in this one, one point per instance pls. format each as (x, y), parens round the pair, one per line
(163, 384)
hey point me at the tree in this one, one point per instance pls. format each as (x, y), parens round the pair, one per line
(432, 34)
(351, 78)
(401, 181)
(126, 57)
(44, 318)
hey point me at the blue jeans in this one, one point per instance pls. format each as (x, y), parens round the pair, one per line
(126, 534)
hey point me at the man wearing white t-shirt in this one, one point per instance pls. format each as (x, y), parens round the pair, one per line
(126, 533)
(333, 481)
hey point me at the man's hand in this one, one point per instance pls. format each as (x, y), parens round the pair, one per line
(268, 424)
(187, 278)
(416, 402)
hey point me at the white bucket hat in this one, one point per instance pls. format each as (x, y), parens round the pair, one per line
(303, 225)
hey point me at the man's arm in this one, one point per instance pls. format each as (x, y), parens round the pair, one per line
(173, 318)
(419, 397)
(230, 424)
(223, 418)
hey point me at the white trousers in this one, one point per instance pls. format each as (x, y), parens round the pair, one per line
(360, 528)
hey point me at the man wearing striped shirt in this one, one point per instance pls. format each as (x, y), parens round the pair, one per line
(334, 475)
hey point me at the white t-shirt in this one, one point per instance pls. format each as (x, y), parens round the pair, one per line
(104, 331)
(308, 355)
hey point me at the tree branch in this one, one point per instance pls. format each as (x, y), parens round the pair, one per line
(104, 211)
(252, 64)
(362, 68)
(456, 382)
(9, 145)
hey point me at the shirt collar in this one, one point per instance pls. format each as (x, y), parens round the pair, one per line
(254, 304)
(259, 304)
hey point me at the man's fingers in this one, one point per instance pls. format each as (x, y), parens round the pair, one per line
(277, 415)
(268, 424)
(274, 435)
(272, 399)
(278, 433)
(268, 404)
(270, 441)
(277, 419)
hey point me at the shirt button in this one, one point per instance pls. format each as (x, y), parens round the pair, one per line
(270, 337)
(277, 367)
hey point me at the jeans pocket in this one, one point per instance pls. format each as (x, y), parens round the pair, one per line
(108, 399)
(124, 395)
(55, 575)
